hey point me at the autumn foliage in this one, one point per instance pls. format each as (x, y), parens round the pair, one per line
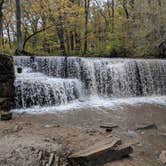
(84, 27)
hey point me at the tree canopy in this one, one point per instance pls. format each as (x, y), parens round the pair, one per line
(84, 27)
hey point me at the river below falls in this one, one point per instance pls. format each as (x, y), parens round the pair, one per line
(147, 144)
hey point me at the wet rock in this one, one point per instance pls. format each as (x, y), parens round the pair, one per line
(6, 82)
(162, 157)
(5, 116)
(101, 153)
(5, 104)
(19, 70)
(147, 127)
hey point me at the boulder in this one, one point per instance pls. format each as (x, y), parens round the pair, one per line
(101, 153)
(6, 82)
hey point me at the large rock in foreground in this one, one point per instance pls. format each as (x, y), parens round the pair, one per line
(101, 153)
(6, 82)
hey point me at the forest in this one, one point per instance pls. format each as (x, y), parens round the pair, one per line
(82, 82)
(109, 28)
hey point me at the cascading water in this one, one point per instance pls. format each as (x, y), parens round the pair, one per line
(34, 88)
(48, 81)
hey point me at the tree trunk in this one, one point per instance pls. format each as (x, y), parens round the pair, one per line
(67, 42)
(132, 5)
(19, 33)
(125, 8)
(8, 34)
(1, 22)
(113, 14)
(87, 3)
(77, 41)
(71, 41)
(60, 32)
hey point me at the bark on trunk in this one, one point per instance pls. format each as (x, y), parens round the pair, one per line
(125, 8)
(19, 33)
(87, 3)
(113, 14)
(8, 34)
(1, 22)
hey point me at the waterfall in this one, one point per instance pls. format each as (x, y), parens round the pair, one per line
(34, 88)
(57, 80)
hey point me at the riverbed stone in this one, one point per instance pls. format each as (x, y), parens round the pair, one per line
(6, 82)
(163, 157)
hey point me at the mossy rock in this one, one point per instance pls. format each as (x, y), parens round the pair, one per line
(6, 79)
(4, 116)
(6, 65)
(6, 103)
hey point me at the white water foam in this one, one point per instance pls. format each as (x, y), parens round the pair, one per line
(96, 103)
(55, 84)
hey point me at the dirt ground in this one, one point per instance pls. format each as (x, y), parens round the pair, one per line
(24, 137)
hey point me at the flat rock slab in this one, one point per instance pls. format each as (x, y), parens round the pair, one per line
(101, 153)
(146, 127)
(108, 126)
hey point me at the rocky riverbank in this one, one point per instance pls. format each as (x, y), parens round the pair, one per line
(33, 140)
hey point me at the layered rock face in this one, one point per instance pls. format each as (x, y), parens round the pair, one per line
(6, 82)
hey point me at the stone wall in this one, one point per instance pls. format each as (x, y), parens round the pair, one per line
(6, 82)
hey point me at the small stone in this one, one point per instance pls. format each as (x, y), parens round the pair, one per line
(162, 157)
(18, 128)
(19, 70)
(51, 125)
